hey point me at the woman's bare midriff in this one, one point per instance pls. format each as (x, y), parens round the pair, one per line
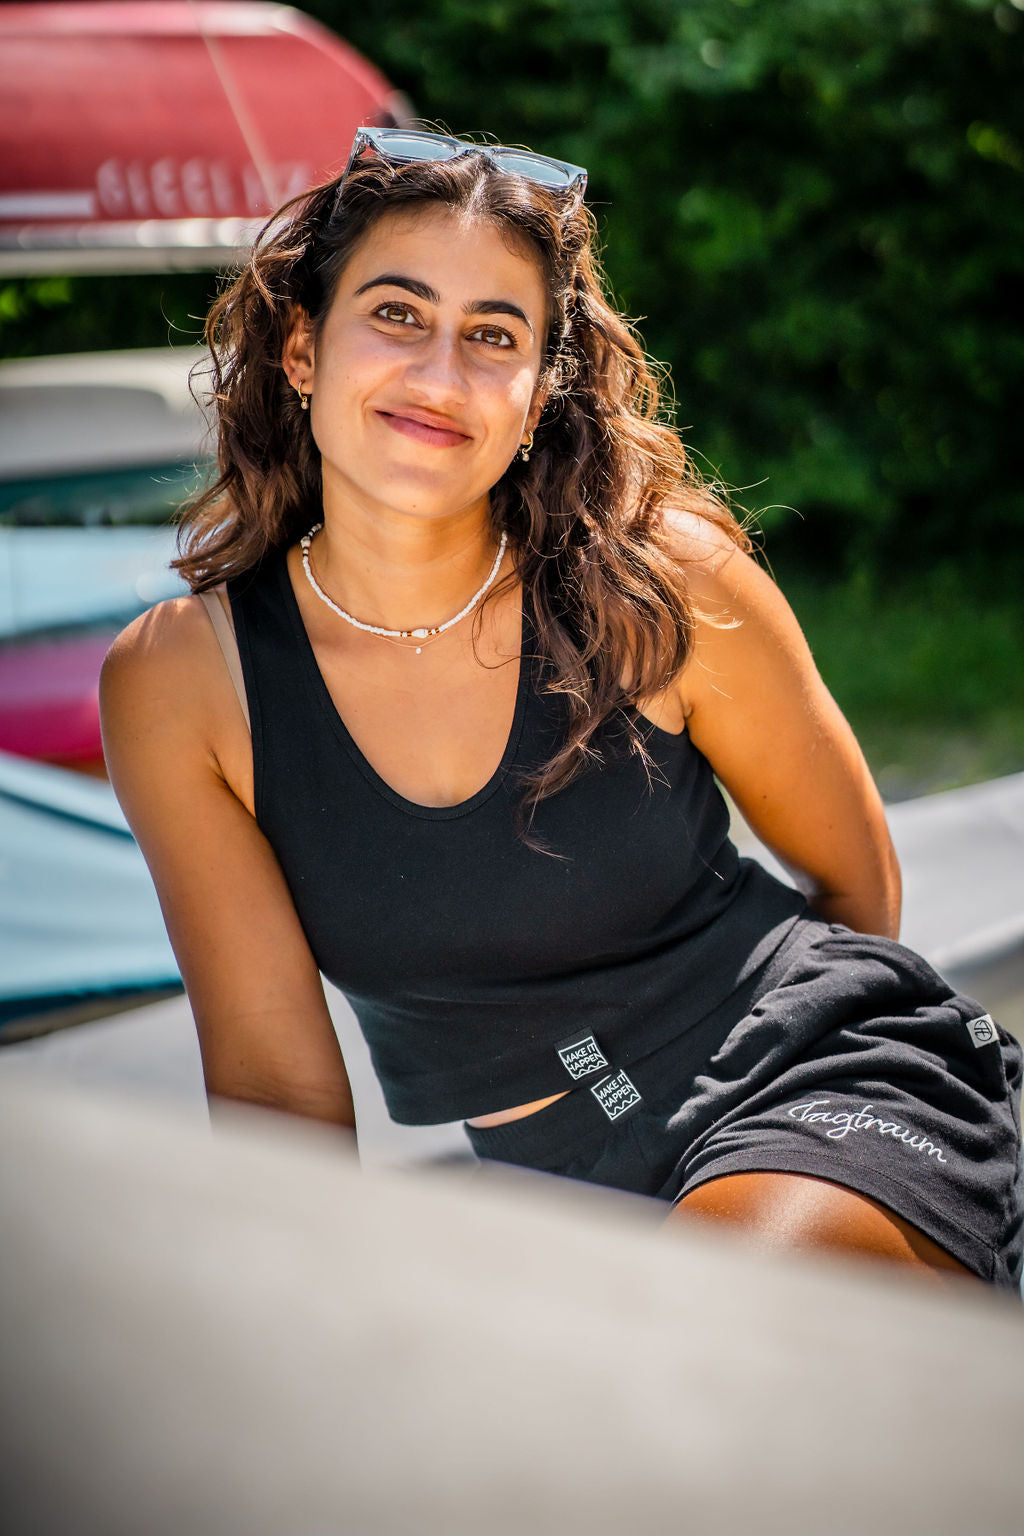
(502, 1116)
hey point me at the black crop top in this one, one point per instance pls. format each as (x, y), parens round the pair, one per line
(468, 957)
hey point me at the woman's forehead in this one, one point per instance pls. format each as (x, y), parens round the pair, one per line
(451, 252)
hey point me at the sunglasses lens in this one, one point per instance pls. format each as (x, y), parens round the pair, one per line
(404, 146)
(415, 146)
(534, 167)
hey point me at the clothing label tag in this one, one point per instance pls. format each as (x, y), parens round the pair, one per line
(582, 1056)
(982, 1031)
(616, 1095)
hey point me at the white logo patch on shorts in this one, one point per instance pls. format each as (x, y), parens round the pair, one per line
(615, 1095)
(982, 1030)
(582, 1057)
(843, 1121)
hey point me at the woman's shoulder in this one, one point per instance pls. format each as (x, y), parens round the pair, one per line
(167, 703)
(170, 639)
(165, 675)
(720, 572)
(744, 631)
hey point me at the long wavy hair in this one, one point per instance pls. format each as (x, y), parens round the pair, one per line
(585, 517)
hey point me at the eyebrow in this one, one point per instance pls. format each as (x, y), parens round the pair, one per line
(431, 296)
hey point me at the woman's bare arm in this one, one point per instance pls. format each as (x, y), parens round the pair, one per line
(170, 724)
(757, 708)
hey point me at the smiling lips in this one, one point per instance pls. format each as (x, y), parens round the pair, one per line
(424, 429)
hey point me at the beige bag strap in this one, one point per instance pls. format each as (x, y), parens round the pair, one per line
(216, 604)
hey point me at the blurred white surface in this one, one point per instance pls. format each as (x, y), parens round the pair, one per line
(234, 1334)
(96, 410)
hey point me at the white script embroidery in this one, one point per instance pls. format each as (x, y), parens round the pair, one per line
(816, 1111)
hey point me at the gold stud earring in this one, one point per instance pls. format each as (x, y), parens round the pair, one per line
(524, 448)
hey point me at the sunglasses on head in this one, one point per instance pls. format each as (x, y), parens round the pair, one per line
(406, 146)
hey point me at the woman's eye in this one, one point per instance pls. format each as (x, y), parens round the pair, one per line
(494, 336)
(399, 313)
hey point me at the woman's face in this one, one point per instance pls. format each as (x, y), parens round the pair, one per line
(424, 375)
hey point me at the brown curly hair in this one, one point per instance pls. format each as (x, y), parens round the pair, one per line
(585, 516)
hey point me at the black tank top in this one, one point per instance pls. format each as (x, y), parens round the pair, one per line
(474, 963)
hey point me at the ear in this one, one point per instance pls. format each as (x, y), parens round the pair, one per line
(540, 400)
(298, 355)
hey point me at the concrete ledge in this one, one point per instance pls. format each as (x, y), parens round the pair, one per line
(239, 1335)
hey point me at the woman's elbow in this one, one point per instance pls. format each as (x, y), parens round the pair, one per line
(891, 900)
(869, 901)
(328, 1103)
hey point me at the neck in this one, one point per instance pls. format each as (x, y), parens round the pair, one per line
(400, 571)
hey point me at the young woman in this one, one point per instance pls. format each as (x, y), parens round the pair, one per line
(495, 643)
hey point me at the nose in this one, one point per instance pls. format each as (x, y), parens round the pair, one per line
(436, 373)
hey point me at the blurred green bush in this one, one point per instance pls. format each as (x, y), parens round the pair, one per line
(815, 207)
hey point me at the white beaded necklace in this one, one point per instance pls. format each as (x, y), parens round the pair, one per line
(397, 634)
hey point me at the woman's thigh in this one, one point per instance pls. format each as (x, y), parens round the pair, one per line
(793, 1211)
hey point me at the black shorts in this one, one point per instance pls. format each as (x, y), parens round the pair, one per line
(846, 1058)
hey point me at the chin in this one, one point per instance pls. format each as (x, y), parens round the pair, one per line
(429, 496)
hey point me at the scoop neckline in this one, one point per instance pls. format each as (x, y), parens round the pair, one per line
(362, 763)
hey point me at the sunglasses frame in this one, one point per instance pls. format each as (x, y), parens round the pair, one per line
(377, 139)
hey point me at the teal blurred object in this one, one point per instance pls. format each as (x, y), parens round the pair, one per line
(79, 918)
(64, 578)
(97, 498)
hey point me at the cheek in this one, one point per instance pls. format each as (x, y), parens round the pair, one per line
(351, 366)
(341, 387)
(513, 396)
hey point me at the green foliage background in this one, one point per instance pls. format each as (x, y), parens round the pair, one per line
(814, 208)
